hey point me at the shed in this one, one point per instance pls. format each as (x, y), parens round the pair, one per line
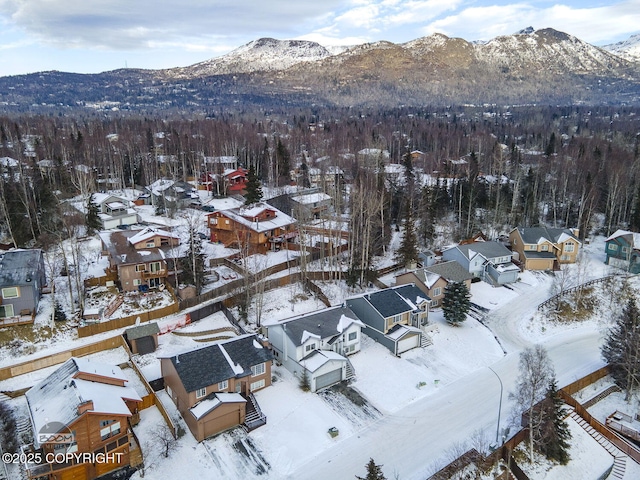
(143, 339)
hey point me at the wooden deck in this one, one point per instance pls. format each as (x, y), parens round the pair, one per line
(16, 320)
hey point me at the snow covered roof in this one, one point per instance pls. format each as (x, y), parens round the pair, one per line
(122, 252)
(205, 366)
(8, 162)
(210, 403)
(323, 324)
(100, 369)
(148, 233)
(57, 397)
(399, 331)
(318, 358)
(280, 220)
(310, 198)
(632, 236)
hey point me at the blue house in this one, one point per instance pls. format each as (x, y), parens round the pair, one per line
(22, 278)
(623, 250)
(490, 261)
(394, 317)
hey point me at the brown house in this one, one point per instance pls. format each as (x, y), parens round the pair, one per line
(434, 279)
(256, 228)
(542, 248)
(141, 258)
(212, 386)
(82, 407)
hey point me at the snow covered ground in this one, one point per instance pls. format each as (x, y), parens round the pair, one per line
(418, 407)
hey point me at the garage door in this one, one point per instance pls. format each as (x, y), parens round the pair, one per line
(408, 343)
(328, 379)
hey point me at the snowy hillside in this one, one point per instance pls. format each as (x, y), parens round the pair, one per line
(264, 54)
(628, 49)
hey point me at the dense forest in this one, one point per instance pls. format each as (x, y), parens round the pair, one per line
(488, 169)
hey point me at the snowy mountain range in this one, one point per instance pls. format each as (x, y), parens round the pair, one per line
(528, 67)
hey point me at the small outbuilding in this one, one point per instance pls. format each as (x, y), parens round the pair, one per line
(142, 339)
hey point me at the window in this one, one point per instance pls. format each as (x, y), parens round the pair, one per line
(201, 392)
(353, 336)
(11, 292)
(565, 257)
(311, 346)
(258, 369)
(515, 241)
(137, 281)
(109, 428)
(156, 267)
(257, 385)
(625, 249)
(568, 247)
(437, 291)
(396, 318)
(6, 311)
(213, 221)
(151, 244)
(226, 222)
(223, 385)
(613, 247)
(141, 267)
(544, 248)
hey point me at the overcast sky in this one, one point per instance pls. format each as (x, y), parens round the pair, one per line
(90, 36)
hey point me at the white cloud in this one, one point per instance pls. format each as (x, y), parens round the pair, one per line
(589, 24)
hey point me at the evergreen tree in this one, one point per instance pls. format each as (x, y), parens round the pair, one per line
(455, 303)
(374, 472)
(305, 384)
(621, 349)
(92, 219)
(193, 262)
(283, 163)
(555, 433)
(408, 251)
(254, 189)
(58, 313)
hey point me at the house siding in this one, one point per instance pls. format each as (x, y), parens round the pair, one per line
(28, 299)
(366, 313)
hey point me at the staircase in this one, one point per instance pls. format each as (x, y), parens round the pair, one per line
(351, 372)
(425, 340)
(113, 306)
(592, 401)
(254, 417)
(620, 459)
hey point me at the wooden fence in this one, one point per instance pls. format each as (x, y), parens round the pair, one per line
(555, 298)
(616, 440)
(59, 357)
(586, 381)
(146, 316)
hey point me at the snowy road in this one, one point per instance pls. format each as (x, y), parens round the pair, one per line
(410, 442)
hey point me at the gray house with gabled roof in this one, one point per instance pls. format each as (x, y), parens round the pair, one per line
(433, 280)
(395, 317)
(317, 342)
(211, 386)
(490, 261)
(22, 278)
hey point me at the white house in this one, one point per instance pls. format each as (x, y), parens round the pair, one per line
(318, 343)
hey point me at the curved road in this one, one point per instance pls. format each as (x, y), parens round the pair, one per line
(411, 443)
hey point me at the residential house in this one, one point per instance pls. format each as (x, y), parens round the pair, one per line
(317, 343)
(257, 228)
(490, 261)
(623, 250)
(22, 278)
(170, 194)
(305, 205)
(142, 339)
(114, 211)
(433, 280)
(82, 407)
(212, 386)
(395, 317)
(328, 177)
(542, 248)
(228, 182)
(141, 258)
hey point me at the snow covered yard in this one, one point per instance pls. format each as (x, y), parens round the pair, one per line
(588, 459)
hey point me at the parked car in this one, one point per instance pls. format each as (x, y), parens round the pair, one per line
(208, 208)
